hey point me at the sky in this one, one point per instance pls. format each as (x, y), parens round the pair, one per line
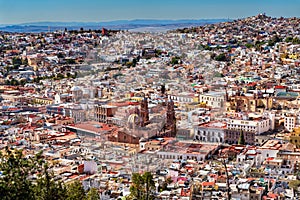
(22, 11)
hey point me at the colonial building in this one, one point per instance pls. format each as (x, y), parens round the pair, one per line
(171, 119)
(294, 137)
(104, 112)
(144, 115)
(248, 104)
(232, 136)
(210, 132)
(181, 150)
(213, 99)
(257, 125)
(289, 123)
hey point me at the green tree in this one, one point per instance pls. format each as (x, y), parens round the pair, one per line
(70, 61)
(165, 184)
(25, 61)
(60, 76)
(14, 82)
(93, 194)
(289, 39)
(175, 60)
(248, 45)
(149, 185)
(22, 82)
(14, 182)
(48, 189)
(218, 74)
(274, 40)
(221, 57)
(142, 187)
(75, 191)
(295, 184)
(207, 47)
(17, 183)
(296, 40)
(241, 140)
(136, 189)
(163, 89)
(16, 61)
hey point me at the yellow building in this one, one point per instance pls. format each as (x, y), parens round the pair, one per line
(248, 104)
(294, 137)
(43, 101)
(193, 106)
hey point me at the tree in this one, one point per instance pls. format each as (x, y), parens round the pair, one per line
(163, 89)
(274, 40)
(248, 45)
(14, 182)
(48, 189)
(134, 62)
(241, 140)
(289, 39)
(93, 194)
(75, 191)
(70, 61)
(218, 74)
(25, 61)
(296, 40)
(59, 76)
(142, 187)
(165, 184)
(136, 188)
(175, 60)
(149, 185)
(17, 182)
(221, 57)
(16, 61)
(295, 184)
(14, 82)
(22, 82)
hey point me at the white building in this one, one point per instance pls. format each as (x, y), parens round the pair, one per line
(210, 132)
(290, 123)
(182, 97)
(257, 126)
(187, 151)
(213, 99)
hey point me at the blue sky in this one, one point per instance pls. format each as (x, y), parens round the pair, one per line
(19, 11)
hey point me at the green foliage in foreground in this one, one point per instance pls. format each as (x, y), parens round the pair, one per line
(31, 179)
(143, 186)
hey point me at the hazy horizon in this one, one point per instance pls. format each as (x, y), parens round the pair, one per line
(32, 11)
(117, 20)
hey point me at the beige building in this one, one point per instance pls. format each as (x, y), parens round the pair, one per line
(213, 99)
(248, 104)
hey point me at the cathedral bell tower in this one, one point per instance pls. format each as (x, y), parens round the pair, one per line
(144, 113)
(171, 119)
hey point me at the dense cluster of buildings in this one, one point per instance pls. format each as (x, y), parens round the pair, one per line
(211, 111)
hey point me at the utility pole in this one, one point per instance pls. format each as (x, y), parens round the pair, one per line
(223, 162)
(227, 179)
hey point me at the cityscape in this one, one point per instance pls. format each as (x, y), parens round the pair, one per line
(187, 110)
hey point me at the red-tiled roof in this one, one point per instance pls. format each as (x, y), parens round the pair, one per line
(280, 87)
(208, 183)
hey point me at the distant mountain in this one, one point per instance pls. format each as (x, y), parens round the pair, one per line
(115, 25)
